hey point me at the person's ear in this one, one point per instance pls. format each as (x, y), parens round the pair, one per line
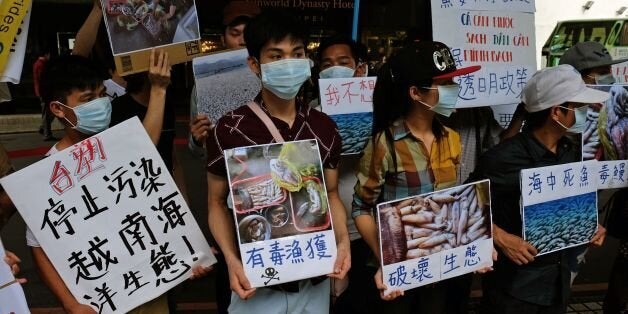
(415, 94)
(56, 109)
(254, 65)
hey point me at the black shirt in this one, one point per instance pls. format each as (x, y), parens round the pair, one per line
(125, 107)
(542, 281)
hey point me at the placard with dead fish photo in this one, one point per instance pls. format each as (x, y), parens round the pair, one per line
(435, 236)
(282, 214)
(559, 205)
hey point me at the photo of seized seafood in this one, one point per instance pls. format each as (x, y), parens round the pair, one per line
(613, 125)
(561, 223)
(141, 24)
(433, 222)
(277, 190)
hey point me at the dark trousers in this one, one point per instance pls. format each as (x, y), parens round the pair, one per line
(617, 293)
(361, 296)
(222, 285)
(497, 301)
(46, 120)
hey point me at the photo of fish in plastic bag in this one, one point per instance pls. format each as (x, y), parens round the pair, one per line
(277, 190)
(606, 133)
(430, 223)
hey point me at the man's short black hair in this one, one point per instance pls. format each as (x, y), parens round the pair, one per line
(135, 82)
(64, 74)
(273, 26)
(243, 19)
(358, 51)
(536, 120)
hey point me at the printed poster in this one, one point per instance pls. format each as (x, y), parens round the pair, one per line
(282, 213)
(224, 82)
(349, 102)
(12, 299)
(559, 205)
(435, 236)
(606, 134)
(620, 70)
(135, 27)
(496, 35)
(111, 219)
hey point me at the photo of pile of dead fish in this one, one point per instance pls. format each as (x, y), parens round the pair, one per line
(430, 223)
(277, 190)
(562, 223)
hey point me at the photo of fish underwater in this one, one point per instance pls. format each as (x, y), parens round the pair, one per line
(277, 190)
(430, 223)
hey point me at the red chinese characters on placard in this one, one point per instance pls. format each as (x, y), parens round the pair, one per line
(89, 156)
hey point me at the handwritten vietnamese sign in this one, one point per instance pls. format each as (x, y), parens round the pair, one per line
(282, 215)
(12, 299)
(435, 236)
(111, 219)
(497, 36)
(559, 205)
(349, 102)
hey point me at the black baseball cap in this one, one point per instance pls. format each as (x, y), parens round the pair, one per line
(426, 60)
(588, 55)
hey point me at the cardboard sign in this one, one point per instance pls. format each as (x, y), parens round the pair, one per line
(435, 236)
(12, 299)
(559, 205)
(134, 27)
(111, 219)
(499, 37)
(349, 102)
(282, 214)
(224, 82)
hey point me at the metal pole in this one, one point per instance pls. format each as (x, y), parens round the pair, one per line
(356, 17)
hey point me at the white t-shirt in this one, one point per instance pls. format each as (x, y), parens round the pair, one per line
(30, 237)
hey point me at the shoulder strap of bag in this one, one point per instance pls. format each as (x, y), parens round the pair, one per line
(267, 122)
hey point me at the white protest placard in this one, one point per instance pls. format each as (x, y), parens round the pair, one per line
(611, 174)
(349, 102)
(499, 37)
(224, 82)
(110, 218)
(435, 236)
(13, 68)
(12, 299)
(281, 212)
(620, 70)
(559, 205)
(487, 5)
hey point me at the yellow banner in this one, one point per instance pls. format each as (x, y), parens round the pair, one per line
(12, 14)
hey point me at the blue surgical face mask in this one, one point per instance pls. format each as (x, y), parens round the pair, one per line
(604, 79)
(447, 98)
(92, 117)
(337, 71)
(581, 118)
(285, 77)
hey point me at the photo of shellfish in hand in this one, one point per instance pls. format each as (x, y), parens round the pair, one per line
(277, 216)
(430, 223)
(254, 228)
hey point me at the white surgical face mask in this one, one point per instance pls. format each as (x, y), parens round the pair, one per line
(447, 98)
(580, 122)
(285, 77)
(337, 71)
(91, 117)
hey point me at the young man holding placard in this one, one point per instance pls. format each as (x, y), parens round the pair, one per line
(276, 45)
(555, 99)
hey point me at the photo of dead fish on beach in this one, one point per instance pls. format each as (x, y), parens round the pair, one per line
(424, 225)
(561, 223)
(224, 82)
(277, 190)
(135, 25)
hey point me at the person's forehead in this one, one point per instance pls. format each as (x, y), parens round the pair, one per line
(337, 50)
(237, 27)
(287, 43)
(603, 69)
